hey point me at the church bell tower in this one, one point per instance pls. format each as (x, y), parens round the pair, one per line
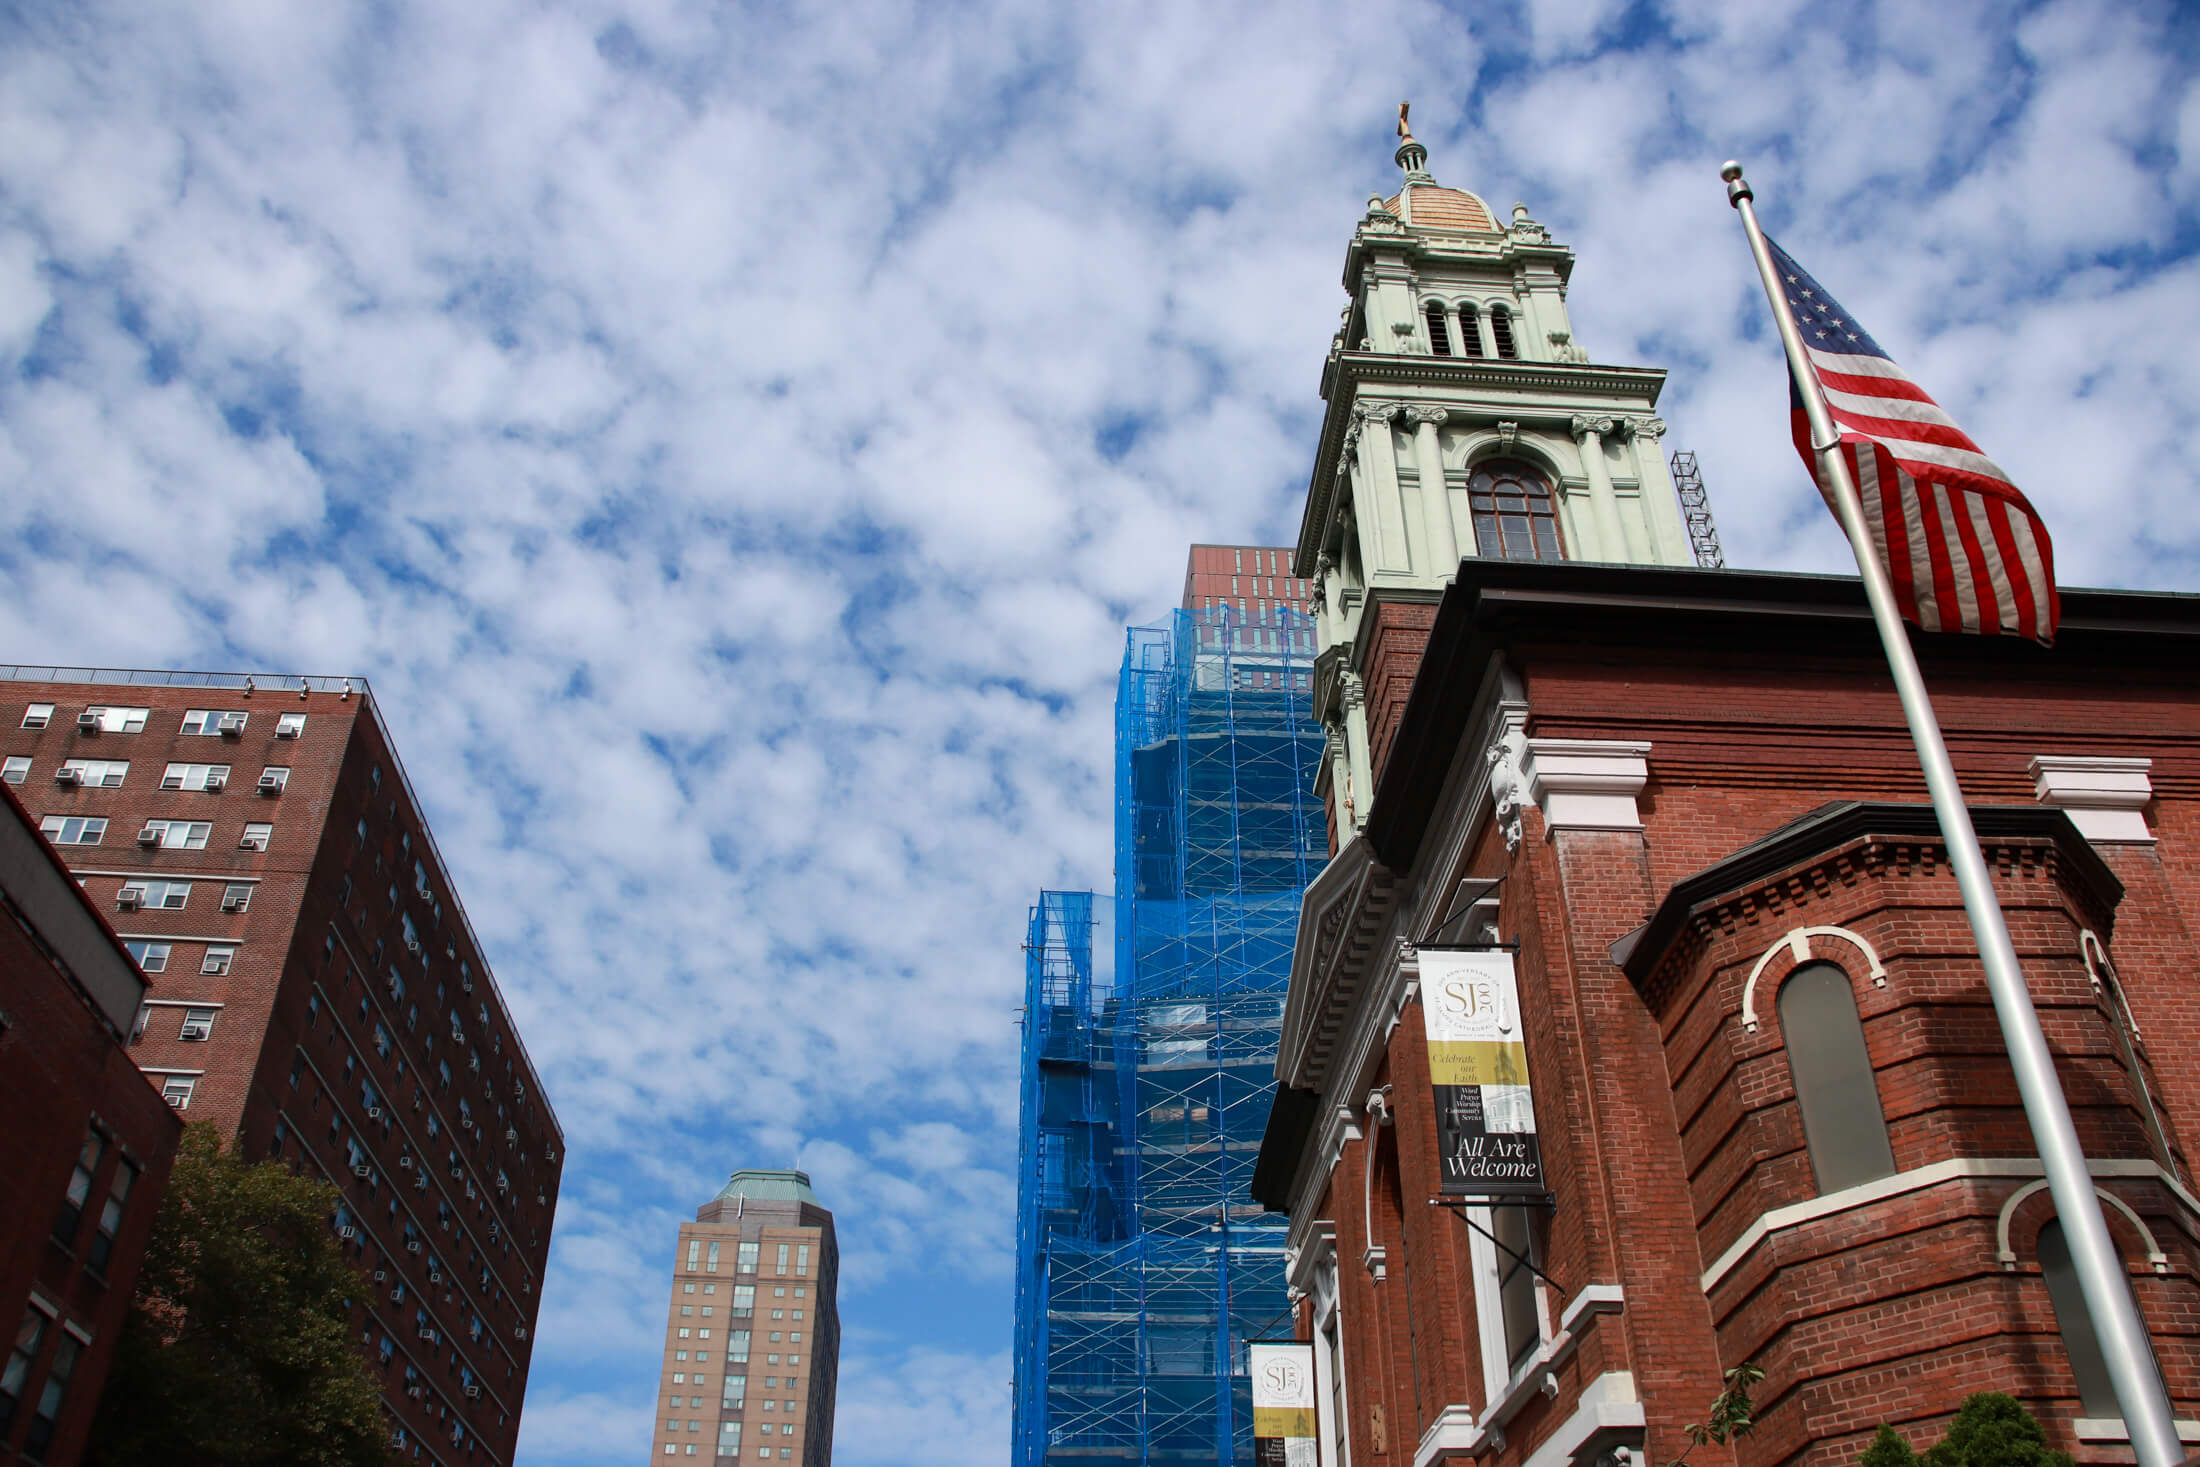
(1463, 420)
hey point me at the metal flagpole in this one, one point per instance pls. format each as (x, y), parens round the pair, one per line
(2116, 1322)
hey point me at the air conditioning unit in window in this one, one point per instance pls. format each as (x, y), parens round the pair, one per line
(434, 1278)
(130, 898)
(412, 945)
(420, 1182)
(428, 1335)
(231, 725)
(473, 1062)
(286, 730)
(215, 784)
(412, 1245)
(149, 836)
(405, 1163)
(271, 783)
(415, 1391)
(519, 1331)
(67, 775)
(252, 841)
(362, 1171)
(87, 722)
(374, 1112)
(473, 1393)
(234, 903)
(511, 1137)
(550, 1153)
(196, 1030)
(347, 1233)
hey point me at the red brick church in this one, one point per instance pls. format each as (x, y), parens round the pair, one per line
(1772, 1118)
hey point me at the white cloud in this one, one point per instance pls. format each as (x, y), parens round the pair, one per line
(731, 440)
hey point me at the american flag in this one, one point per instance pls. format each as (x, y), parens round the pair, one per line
(1964, 549)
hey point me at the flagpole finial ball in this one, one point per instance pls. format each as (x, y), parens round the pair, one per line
(1730, 170)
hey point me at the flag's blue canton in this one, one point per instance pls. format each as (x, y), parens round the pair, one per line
(1825, 326)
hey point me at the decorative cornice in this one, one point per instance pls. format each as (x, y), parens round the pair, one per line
(1584, 425)
(1421, 412)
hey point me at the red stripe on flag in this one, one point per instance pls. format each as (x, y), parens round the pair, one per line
(1933, 514)
(1901, 387)
(2020, 575)
(1895, 431)
(1896, 532)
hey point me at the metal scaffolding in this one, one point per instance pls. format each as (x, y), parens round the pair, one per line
(1144, 1265)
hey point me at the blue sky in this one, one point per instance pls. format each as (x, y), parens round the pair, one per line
(732, 437)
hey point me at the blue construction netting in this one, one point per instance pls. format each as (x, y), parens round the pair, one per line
(1143, 1264)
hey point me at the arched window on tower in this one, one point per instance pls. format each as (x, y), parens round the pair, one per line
(1843, 1126)
(1501, 332)
(1514, 516)
(1470, 331)
(1439, 331)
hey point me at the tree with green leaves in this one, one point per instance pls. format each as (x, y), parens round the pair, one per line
(238, 1349)
(1733, 1415)
(1990, 1430)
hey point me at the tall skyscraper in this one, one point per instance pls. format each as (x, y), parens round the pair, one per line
(752, 1334)
(316, 991)
(1144, 1267)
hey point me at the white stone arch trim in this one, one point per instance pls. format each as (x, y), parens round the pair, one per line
(2101, 969)
(2008, 1255)
(1483, 442)
(1797, 941)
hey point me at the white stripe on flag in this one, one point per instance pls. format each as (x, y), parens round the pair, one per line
(1910, 450)
(1904, 408)
(1959, 559)
(2035, 570)
(1875, 508)
(1997, 573)
(1921, 556)
(1856, 366)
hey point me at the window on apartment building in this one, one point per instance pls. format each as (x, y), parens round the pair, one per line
(237, 897)
(290, 725)
(37, 715)
(176, 1090)
(737, 1347)
(214, 721)
(1844, 1129)
(71, 1215)
(711, 1263)
(217, 960)
(166, 896)
(152, 957)
(117, 720)
(2081, 1346)
(734, 1393)
(195, 777)
(73, 830)
(802, 1259)
(110, 1216)
(744, 1300)
(93, 773)
(47, 1414)
(782, 1260)
(198, 1024)
(176, 835)
(256, 836)
(15, 1375)
(15, 768)
(274, 779)
(695, 1245)
(745, 1259)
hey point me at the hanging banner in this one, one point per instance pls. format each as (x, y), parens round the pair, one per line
(1285, 1429)
(1478, 1063)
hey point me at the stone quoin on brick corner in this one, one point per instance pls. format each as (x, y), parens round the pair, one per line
(1774, 1114)
(316, 991)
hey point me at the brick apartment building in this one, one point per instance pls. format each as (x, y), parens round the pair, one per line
(1771, 1113)
(85, 1146)
(752, 1334)
(317, 993)
(1253, 580)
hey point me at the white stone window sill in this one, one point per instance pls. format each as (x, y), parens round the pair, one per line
(2112, 1429)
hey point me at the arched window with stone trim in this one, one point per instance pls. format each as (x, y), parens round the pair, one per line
(1470, 332)
(1844, 1127)
(1515, 517)
(1501, 332)
(2081, 1346)
(1439, 329)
